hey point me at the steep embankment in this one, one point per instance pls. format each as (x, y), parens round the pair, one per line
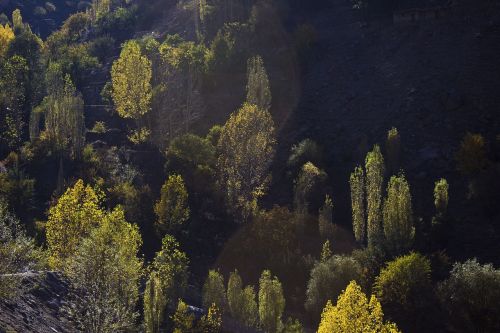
(434, 80)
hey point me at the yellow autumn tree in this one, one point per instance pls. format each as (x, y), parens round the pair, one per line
(355, 314)
(6, 35)
(131, 80)
(74, 216)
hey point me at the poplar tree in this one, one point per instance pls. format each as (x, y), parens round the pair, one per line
(393, 149)
(241, 301)
(246, 149)
(214, 291)
(357, 184)
(441, 196)
(172, 209)
(398, 215)
(131, 79)
(374, 165)
(258, 91)
(155, 302)
(271, 303)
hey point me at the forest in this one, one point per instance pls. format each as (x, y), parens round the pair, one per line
(274, 166)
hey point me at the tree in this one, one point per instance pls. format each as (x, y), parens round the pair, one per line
(403, 287)
(234, 295)
(182, 319)
(155, 303)
(18, 252)
(441, 196)
(353, 313)
(6, 36)
(328, 279)
(105, 273)
(171, 264)
(212, 321)
(271, 303)
(246, 149)
(258, 91)
(72, 219)
(309, 188)
(293, 326)
(131, 78)
(357, 183)
(326, 252)
(172, 208)
(214, 291)
(398, 215)
(393, 149)
(470, 297)
(64, 116)
(374, 165)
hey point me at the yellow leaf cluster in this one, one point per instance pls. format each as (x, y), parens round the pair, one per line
(6, 36)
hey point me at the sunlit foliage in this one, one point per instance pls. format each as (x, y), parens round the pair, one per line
(6, 36)
(182, 319)
(441, 196)
(271, 303)
(258, 90)
(241, 301)
(246, 149)
(374, 165)
(155, 303)
(131, 78)
(172, 208)
(353, 313)
(309, 186)
(357, 183)
(214, 291)
(398, 216)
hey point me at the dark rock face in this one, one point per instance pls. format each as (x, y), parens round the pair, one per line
(39, 306)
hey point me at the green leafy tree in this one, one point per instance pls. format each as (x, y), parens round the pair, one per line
(271, 303)
(374, 165)
(398, 216)
(212, 321)
(353, 313)
(183, 320)
(172, 209)
(258, 91)
(131, 79)
(105, 273)
(470, 297)
(309, 188)
(171, 265)
(72, 219)
(357, 183)
(328, 279)
(246, 149)
(155, 303)
(403, 287)
(441, 196)
(214, 291)
(64, 116)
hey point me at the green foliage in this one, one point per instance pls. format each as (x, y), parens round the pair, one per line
(241, 301)
(131, 78)
(99, 127)
(328, 279)
(246, 149)
(155, 303)
(18, 252)
(357, 184)
(105, 273)
(326, 252)
(403, 286)
(374, 165)
(258, 90)
(72, 219)
(309, 188)
(471, 156)
(139, 136)
(441, 196)
(171, 264)
(470, 297)
(271, 303)
(183, 320)
(212, 321)
(214, 291)
(353, 313)
(64, 113)
(398, 216)
(172, 208)
(190, 151)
